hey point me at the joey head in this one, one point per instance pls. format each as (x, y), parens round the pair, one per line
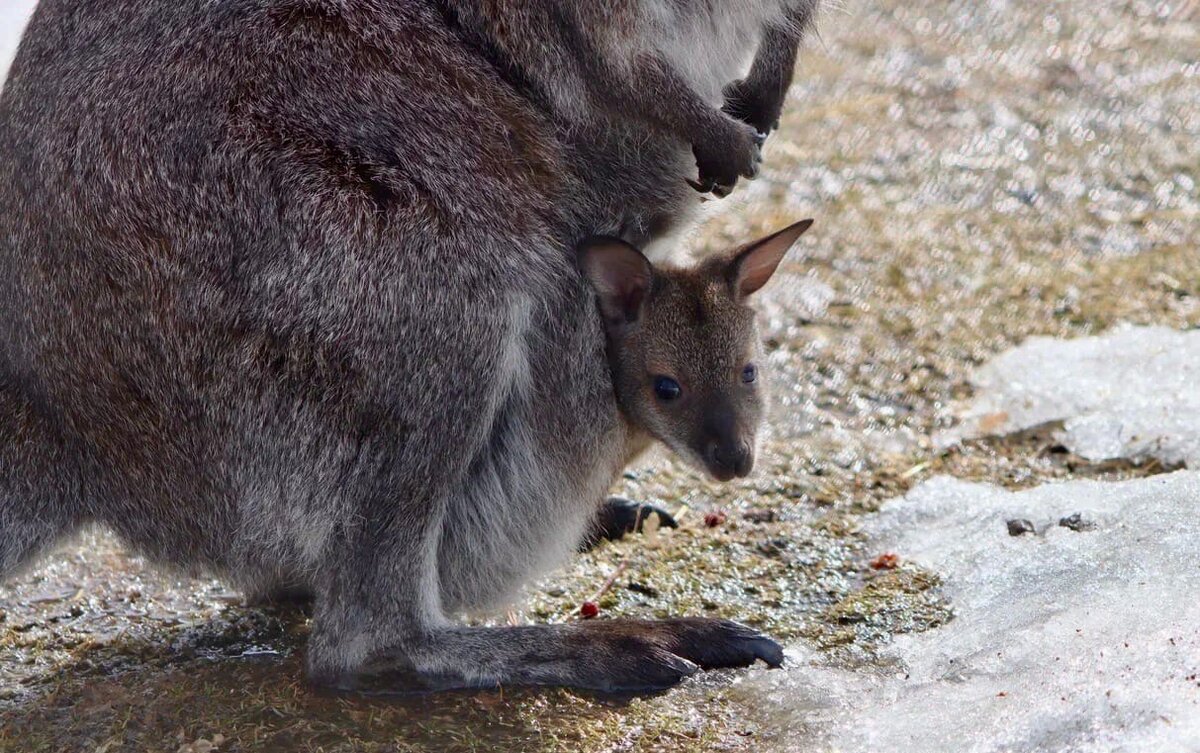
(683, 346)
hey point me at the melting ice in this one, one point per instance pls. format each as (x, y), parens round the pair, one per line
(1133, 392)
(1062, 640)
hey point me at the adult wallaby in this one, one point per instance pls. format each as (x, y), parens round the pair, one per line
(291, 295)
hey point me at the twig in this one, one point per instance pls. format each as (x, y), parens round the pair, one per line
(608, 584)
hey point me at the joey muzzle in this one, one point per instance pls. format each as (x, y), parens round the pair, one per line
(727, 446)
(729, 458)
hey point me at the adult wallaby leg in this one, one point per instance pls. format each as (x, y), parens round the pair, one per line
(610, 656)
(758, 98)
(378, 600)
(40, 495)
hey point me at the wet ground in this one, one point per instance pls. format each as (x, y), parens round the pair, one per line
(979, 171)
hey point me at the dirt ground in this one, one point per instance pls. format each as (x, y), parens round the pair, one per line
(980, 171)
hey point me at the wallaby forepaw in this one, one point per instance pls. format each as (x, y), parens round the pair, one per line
(730, 150)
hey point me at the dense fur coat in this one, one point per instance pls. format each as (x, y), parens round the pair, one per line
(289, 293)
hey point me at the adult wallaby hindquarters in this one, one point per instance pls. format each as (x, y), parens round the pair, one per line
(284, 305)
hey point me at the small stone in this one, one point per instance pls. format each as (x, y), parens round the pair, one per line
(1020, 527)
(1076, 523)
(773, 547)
(642, 588)
(761, 516)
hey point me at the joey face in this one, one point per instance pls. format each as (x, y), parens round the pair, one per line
(683, 346)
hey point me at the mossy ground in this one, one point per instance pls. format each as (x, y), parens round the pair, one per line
(980, 173)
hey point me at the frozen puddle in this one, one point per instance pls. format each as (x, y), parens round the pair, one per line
(1131, 393)
(1062, 640)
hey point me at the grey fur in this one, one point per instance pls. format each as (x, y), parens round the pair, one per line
(290, 297)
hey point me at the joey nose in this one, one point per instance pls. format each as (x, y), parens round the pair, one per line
(727, 459)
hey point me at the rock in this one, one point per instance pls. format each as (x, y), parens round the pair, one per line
(1076, 522)
(1020, 527)
(761, 516)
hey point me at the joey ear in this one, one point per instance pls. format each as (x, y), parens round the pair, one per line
(620, 275)
(754, 263)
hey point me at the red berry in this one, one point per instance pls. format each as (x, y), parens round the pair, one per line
(714, 519)
(886, 561)
(589, 610)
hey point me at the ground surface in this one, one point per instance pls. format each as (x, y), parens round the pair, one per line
(980, 172)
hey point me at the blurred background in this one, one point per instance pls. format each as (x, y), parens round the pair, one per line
(981, 172)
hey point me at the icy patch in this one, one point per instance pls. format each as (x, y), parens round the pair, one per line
(14, 14)
(1132, 393)
(1062, 640)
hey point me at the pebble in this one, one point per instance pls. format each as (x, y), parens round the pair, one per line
(1076, 522)
(761, 516)
(1020, 527)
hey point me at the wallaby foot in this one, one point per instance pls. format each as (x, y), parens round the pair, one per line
(726, 150)
(607, 656)
(618, 516)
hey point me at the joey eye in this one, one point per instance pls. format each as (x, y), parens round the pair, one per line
(749, 374)
(666, 388)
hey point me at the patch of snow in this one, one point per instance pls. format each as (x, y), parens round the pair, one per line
(1131, 393)
(1062, 640)
(14, 14)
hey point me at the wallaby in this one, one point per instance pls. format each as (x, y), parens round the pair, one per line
(291, 296)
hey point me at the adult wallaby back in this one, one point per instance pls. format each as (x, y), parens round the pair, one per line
(290, 294)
